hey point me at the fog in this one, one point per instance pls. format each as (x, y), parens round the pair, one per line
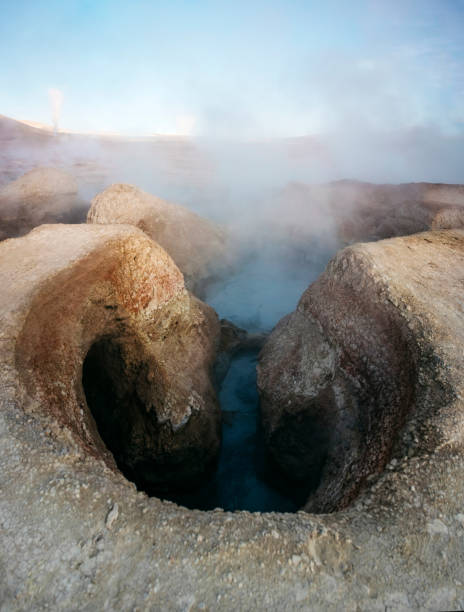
(268, 193)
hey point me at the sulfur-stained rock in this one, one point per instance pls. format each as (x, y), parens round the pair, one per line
(197, 246)
(43, 195)
(369, 366)
(102, 335)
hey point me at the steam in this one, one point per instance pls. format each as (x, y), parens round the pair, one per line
(56, 100)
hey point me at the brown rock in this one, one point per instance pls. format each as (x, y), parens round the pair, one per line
(43, 195)
(234, 340)
(99, 333)
(355, 211)
(197, 246)
(369, 366)
(73, 529)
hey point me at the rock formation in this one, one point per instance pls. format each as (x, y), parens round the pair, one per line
(369, 365)
(196, 245)
(74, 533)
(43, 195)
(233, 341)
(448, 218)
(353, 211)
(103, 337)
(364, 211)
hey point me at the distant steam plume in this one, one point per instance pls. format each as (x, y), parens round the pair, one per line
(56, 100)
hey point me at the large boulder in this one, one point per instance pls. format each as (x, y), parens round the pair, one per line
(369, 366)
(43, 195)
(197, 245)
(100, 333)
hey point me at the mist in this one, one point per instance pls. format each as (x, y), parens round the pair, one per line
(264, 191)
(56, 100)
(298, 129)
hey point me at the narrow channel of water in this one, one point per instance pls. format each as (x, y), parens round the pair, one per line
(264, 289)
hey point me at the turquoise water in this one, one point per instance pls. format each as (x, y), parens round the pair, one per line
(240, 482)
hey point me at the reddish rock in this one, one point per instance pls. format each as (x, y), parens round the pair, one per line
(197, 245)
(100, 333)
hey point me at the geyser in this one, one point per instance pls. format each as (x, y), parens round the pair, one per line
(56, 100)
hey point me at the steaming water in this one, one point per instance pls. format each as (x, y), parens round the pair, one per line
(265, 287)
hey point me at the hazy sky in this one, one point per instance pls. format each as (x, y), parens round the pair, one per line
(234, 68)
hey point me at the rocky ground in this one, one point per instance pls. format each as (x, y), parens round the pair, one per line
(76, 534)
(94, 310)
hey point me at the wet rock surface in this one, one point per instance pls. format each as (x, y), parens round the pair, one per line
(197, 245)
(76, 534)
(42, 195)
(234, 340)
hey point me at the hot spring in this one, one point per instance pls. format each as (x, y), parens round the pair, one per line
(265, 287)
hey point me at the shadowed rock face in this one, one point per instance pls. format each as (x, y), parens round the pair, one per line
(368, 366)
(43, 195)
(103, 336)
(197, 246)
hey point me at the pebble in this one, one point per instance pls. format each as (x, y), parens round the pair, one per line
(112, 516)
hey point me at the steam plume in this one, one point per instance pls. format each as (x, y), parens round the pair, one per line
(56, 100)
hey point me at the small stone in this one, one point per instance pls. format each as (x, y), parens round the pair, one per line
(437, 527)
(460, 519)
(112, 516)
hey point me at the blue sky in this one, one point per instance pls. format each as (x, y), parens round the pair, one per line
(235, 69)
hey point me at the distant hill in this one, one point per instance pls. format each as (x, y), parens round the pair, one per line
(12, 129)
